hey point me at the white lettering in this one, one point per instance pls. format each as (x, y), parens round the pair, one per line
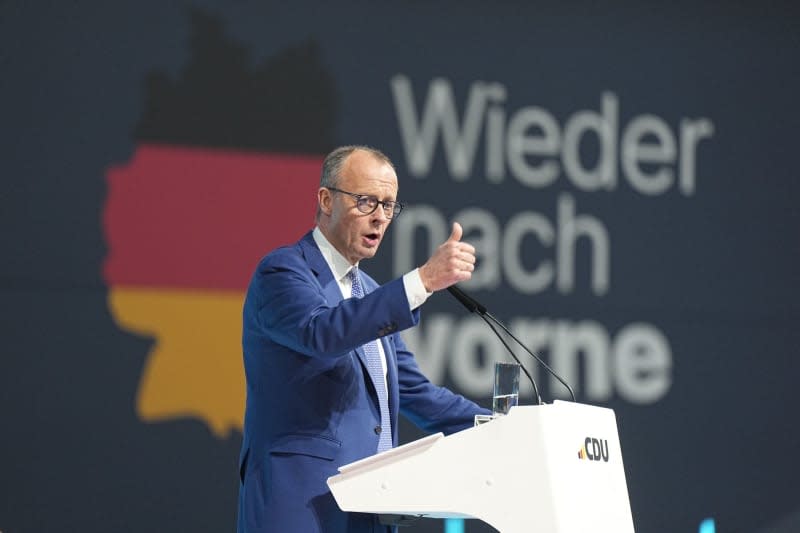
(439, 115)
(692, 131)
(470, 340)
(661, 153)
(591, 340)
(635, 365)
(482, 231)
(604, 175)
(643, 363)
(570, 229)
(531, 145)
(521, 145)
(502, 252)
(538, 279)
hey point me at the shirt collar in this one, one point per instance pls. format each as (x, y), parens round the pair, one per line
(339, 266)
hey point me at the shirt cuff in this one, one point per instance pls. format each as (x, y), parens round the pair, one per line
(415, 290)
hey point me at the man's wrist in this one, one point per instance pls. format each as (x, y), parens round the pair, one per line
(416, 292)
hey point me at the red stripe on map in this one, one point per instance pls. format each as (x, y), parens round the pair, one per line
(202, 218)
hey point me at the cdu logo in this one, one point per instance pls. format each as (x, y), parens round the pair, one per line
(594, 450)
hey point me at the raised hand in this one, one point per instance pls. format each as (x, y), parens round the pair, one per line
(453, 261)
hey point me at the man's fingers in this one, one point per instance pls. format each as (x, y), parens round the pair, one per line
(455, 235)
(466, 248)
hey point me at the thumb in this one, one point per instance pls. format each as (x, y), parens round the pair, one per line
(456, 233)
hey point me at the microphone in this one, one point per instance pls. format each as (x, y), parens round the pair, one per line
(466, 300)
(473, 306)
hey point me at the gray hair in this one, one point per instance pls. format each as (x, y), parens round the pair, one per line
(332, 166)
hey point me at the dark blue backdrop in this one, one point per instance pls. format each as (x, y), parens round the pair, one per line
(712, 269)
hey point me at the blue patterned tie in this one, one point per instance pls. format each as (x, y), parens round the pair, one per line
(375, 369)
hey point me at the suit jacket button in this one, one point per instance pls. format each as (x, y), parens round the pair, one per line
(377, 430)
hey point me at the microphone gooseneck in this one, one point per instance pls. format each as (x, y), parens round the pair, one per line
(467, 301)
(545, 365)
(473, 306)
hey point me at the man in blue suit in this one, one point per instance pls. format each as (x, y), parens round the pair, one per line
(327, 372)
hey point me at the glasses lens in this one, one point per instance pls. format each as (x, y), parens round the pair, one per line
(367, 204)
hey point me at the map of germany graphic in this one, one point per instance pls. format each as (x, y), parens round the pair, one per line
(204, 196)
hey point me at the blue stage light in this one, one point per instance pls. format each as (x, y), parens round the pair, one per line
(453, 525)
(707, 526)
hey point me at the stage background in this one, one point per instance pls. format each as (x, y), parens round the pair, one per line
(628, 172)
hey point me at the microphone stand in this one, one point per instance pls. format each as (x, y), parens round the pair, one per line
(473, 306)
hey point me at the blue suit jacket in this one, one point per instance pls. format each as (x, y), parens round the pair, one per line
(311, 405)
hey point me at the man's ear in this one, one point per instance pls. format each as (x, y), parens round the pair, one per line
(325, 200)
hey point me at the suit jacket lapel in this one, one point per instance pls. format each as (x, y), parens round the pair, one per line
(332, 292)
(330, 287)
(317, 264)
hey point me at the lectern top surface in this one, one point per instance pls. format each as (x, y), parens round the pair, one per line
(412, 448)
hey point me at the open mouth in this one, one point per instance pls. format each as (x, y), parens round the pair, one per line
(372, 239)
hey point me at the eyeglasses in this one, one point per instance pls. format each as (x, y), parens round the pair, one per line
(368, 204)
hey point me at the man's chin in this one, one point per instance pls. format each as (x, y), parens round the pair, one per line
(368, 252)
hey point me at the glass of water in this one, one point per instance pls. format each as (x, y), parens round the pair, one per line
(506, 387)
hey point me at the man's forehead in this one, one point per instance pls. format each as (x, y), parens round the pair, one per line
(365, 169)
(364, 159)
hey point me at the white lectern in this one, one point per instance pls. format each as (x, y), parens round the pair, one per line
(547, 468)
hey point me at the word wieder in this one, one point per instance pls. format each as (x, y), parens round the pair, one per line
(531, 146)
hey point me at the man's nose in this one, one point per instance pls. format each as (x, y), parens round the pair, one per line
(379, 215)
